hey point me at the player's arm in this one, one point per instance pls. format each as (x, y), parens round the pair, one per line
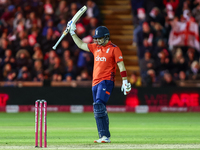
(80, 43)
(77, 40)
(122, 70)
(126, 86)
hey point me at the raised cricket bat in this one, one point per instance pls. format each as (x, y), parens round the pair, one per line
(74, 20)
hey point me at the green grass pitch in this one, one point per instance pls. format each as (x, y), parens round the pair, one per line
(128, 131)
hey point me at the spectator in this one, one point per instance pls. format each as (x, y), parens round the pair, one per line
(73, 6)
(48, 41)
(145, 40)
(56, 77)
(49, 58)
(25, 45)
(20, 26)
(179, 62)
(11, 76)
(33, 21)
(8, 58)
(80, 30)
(26, 76)
(48, 8)
(156, 16)
(39, 77)
(196, 12)
(160, 32)
(70, 68)
(135, 80)
(162, 64)
(50, 24)
(158, 48)
(19, 17)
(20, 71)
(141, 18)
(23, 59)
(191, 56)
(150, 79)
(55, 69)
(65, 45)
(63, 10)
(92, 11)
(37, 70)
(182, 76)
(45, 20)
(136, 5)
(3, 46)
(194, 72)
(34, 37)
(62, 25)
(186, 10)
(19, 37)
(8, 15)
(83, 60)
(68, 77)
(84, 76)
(146, 63)
(171, 4)
(37, 55)
(8, 72)
(168, 80)
(27, 8)
(91, 26)
(66, 56)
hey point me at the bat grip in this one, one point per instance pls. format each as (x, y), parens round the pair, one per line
(62, 36)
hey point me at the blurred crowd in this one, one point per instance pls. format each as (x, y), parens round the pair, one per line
(166, 34)
(29, 29)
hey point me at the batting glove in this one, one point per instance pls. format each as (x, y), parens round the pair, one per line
(71, 27)
(126, 87)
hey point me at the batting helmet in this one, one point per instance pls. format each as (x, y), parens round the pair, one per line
(101, 31)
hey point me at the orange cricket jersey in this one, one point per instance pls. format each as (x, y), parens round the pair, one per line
(105, 61)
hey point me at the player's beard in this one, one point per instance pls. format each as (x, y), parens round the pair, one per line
(100, 41)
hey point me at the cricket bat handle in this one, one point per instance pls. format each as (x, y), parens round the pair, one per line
(62, 36)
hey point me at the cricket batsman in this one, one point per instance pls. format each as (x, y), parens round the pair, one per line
(106, 56)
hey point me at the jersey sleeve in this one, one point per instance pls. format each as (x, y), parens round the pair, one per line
(118, 55)
(92, 47)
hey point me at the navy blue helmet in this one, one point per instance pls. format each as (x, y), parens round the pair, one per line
(101, 31)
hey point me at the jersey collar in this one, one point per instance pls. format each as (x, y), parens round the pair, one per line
(109, 42)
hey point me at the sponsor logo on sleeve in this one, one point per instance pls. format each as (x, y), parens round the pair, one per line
(120, 57)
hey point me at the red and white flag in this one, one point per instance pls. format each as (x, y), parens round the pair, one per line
(185, 34)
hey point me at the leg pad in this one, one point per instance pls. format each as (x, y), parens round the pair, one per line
(102, 121)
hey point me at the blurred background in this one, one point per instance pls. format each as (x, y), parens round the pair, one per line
(159, 40)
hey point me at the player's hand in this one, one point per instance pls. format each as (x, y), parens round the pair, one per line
(126, 87)
(71, 27)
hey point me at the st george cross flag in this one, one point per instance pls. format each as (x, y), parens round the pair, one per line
(185, 34)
